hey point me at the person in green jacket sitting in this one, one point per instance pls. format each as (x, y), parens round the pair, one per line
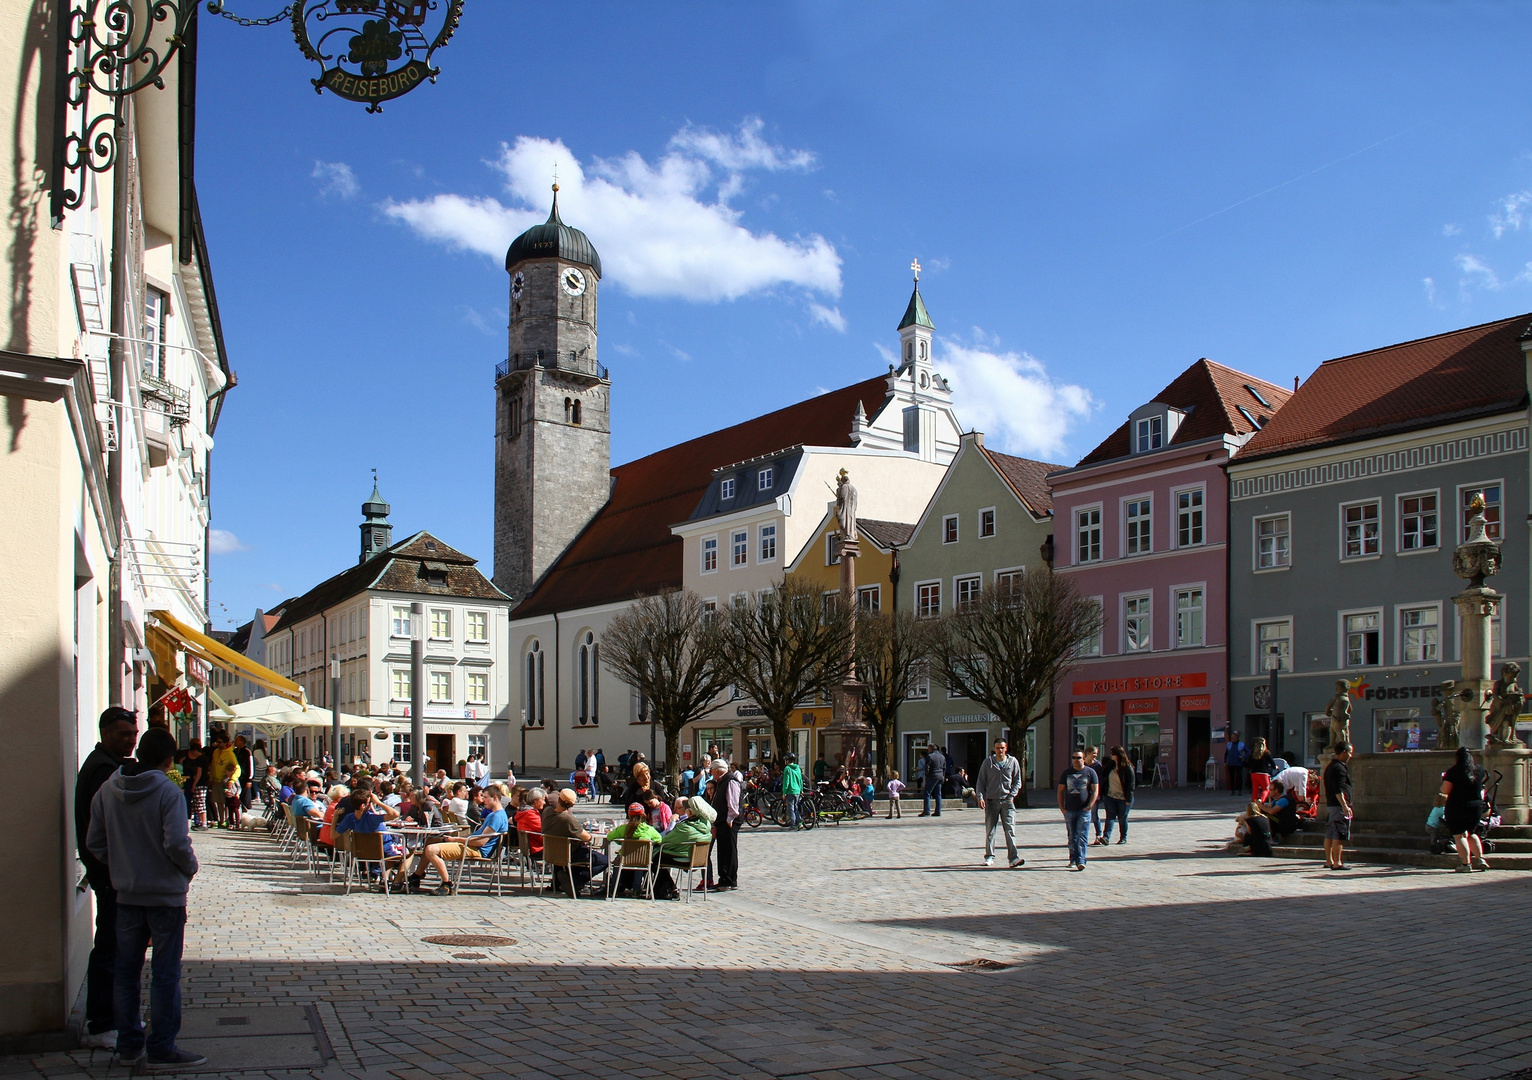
(792, 787)
(676, 848)
(636, 828)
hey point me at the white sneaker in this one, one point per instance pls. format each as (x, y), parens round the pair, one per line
(989, 860)
(101, 1040)
(1018, 861)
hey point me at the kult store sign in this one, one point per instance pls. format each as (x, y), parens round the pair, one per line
(1142, 683)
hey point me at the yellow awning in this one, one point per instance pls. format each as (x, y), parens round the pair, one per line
(220, 655)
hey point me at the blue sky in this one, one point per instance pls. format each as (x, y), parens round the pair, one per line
(1099, 195)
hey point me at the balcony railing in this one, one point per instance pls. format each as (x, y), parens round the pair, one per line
(527, 361)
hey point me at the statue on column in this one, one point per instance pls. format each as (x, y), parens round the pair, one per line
(1448, 710)
(1339, 712)
(845, 506)
(1505, 702)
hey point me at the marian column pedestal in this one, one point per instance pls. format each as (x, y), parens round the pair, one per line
(848, 738)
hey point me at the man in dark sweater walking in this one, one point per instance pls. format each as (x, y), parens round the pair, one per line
(119, 732)
(138, 828)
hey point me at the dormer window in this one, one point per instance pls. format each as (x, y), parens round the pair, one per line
(1246, 414)
(726, 489)
(763, 480)
(1150, 434)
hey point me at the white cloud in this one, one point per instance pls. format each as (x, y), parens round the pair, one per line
(221, 542)
(1513, 212)
(1430, 291)
(1452, 230)
(890, 357)
(472, 317)
(664, 228)
(1477, 272)
(1012, 399)
(335, 178)
(830, 316)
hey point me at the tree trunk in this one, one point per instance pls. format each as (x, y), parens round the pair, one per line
(672, 757)
(781, 738)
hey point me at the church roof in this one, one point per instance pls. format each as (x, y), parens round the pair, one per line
(915, 314)
(419, 564)
(628, 550)
(553, 239)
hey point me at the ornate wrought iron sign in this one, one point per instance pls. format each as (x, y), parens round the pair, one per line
(373, 50)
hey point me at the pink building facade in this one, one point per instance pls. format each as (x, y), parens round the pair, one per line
(1141, 527)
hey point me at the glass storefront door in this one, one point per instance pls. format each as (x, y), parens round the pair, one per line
(1088, 731)
(1141, 736)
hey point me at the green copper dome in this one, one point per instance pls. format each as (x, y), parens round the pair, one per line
(553, 239)
(915, 314)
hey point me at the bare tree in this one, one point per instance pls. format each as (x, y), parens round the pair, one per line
(787, 646)
(664, 648)
(891, 658)
(1006, 649)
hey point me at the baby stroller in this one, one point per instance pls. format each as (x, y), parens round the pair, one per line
(1441, 839)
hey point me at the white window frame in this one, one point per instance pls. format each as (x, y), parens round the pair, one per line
(1201, 511)
(399, 621)
(1176, 592)
(1255, 543)
(1463, 489)
(832, 549)
(1341, 632)
(1147, 429)
(435, 675)
(482, 617)
(1399, 548)
(979, 526)
(874, 592)
(765, 534)
(739, 548)
(702, 554)
(1400, 610)
(399, 678)
(920, 681)
(975, 582)
(951, 526)
(1075, 529)
(476, 698)
(1122, 531)
(1122, 606)
(726, 489)
(402, 748)
(1098, 639)
(1363, 555)
(445, 622)
(916, 606)
(1020, 571)
(709, 610)
(765, 478)
(1257, 656)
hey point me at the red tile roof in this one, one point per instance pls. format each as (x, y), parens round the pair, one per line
(1476, 371)
(1210, 394)
(628, 549)
(1027, 478)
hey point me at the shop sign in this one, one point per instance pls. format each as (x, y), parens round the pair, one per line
(1087, 708)
(969, 718)
(1400, 693)
(1194, 680)
(1141, 706)
(1194, 704)
(748, 710)
(198, 671)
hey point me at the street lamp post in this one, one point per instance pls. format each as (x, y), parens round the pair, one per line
(335, 711)
(1273, 723)
(417, 696)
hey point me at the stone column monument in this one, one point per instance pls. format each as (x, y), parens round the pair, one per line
(1475, 559)
(848, 736)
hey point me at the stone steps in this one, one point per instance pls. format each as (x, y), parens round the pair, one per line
(1383, 843)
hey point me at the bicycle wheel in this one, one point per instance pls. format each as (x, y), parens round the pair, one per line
(779, 813)
(808, 813)
(752, 816)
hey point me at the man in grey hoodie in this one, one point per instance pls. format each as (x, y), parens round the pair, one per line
(999, 781)
(138, 828)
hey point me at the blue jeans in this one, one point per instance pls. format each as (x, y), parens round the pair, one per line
(1095, 818)
(934, 791)
(1077, 825)
(792, 810)
(1116, 810)
(137, 926)
(101, 974)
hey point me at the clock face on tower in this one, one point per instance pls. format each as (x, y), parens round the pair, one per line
(518, 283)
(573, 281)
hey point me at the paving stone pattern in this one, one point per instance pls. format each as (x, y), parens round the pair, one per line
(1165, 958)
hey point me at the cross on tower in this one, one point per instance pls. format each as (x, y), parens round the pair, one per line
(915, 266)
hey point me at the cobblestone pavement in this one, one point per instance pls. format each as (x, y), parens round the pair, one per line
(1166, 958)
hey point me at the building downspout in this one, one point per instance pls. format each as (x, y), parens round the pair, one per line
(116, 639)
(557, 757)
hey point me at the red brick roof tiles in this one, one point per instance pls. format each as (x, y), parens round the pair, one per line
(628, 550)
(1475, 371)
(1211, 395)
(1027, 478)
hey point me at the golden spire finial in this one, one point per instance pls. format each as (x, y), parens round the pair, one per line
(915, 266)
(555, 177)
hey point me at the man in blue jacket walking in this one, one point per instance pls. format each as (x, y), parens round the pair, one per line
(138, 828)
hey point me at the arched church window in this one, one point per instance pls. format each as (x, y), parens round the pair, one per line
(574, 414)
(533, 696)
(587, 676)
(567, 403)
(909, 350)
(922, 350)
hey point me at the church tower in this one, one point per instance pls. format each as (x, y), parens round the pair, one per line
(552, 405)
(377, 533)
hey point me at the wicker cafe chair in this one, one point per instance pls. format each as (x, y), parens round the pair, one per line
(558, 853)
(492, 864)
(633, 856)
(527, 861)
(367, 850)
